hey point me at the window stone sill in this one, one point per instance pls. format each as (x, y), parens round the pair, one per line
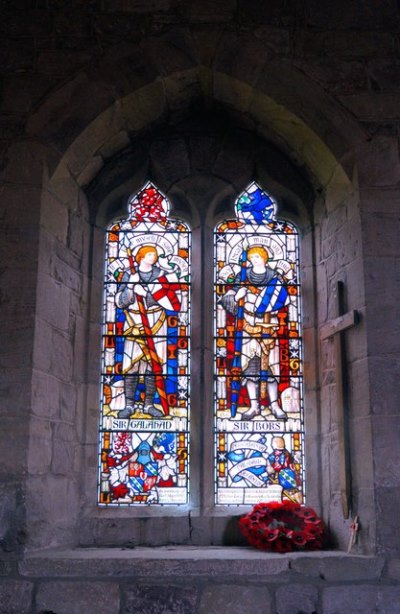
(181, 561)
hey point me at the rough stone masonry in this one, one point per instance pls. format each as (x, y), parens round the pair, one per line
(200, 97)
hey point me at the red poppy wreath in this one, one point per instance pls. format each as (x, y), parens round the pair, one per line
(283, 527)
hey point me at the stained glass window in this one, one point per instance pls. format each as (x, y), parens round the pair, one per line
(144, 425)
(258, 356)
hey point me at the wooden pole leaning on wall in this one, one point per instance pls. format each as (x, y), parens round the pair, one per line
(335, 329)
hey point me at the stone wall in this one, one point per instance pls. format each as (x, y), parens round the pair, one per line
(200, 581)
(200, 97)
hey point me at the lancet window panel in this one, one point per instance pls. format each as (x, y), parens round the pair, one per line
(145, 401)
(258, 374)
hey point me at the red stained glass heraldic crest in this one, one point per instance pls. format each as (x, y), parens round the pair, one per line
(144, 422)
(258, 356)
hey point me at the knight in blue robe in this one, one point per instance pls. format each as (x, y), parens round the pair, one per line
(264, 292)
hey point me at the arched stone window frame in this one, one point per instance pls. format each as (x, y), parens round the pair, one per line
(202, 201)
(68, 179)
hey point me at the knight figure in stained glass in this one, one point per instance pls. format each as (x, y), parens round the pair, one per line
(147, 294)
(145, 401)
(257, 294)
(258, 381)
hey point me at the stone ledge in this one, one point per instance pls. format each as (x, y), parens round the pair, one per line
(194, 561)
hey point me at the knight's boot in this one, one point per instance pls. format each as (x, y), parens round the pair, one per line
(276, 409)
(126, 412)
(149, 398)
(254, 410)
(131, 382)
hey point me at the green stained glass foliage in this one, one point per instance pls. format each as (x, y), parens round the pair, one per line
(258, 388)
(144, 421)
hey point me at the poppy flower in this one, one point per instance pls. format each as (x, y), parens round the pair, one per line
(272, 534)
(299, 538)
(283, 527)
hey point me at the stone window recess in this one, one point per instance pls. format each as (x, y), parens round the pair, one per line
(201, 200)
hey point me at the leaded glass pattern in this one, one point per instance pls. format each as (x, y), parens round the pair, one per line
(258, 391)
(144, 423)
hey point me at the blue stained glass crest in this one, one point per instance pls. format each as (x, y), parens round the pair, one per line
(255, 206)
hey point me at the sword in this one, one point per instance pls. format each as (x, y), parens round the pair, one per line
(236, 368)
(154, 357)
